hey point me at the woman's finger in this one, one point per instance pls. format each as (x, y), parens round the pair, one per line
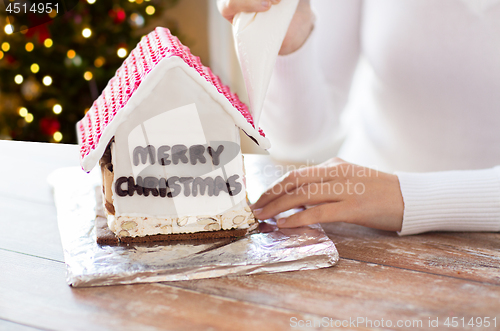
(229, 8)
(328, 212)
(308, 194)
(295, 179)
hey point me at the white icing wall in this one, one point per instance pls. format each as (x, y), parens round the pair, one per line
(177, 111)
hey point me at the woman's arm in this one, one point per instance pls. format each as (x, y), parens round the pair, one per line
(311, 83)
(465, 200)
(410, 203)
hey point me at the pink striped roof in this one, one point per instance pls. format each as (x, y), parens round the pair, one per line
(154, 47)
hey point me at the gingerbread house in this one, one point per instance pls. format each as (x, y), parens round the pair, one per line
(165, 131)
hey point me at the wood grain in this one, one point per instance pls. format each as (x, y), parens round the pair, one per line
(30, 228)
(35, 289)
(27, 165)
(473, 256)
(357, 289)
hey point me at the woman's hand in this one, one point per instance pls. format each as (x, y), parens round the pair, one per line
(300, 27)
(335, 191)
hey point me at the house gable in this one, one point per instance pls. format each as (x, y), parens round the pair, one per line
(177, 113)
(141, 72)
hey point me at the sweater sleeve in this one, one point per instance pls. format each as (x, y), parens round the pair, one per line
(467, 200)
(309, 88)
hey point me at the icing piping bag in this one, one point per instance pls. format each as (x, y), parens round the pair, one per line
(258, 38)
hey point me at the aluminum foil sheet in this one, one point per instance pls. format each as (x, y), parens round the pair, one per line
(88, 264)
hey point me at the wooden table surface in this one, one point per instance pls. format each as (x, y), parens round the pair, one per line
(380, 279)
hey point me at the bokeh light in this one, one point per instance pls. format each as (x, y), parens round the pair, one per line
(9, 29)
(18, 79)
(29, 47)
(23, 111)
(122, 52)
(99, 62)
(150, 10)
(48, 43)
(88, 75)
(47, 80)
(57, 109)
(29, 118)
(57, 136)
(71, 54)
(35, 68)
(86, 33)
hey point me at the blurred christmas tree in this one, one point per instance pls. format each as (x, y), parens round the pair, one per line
(51, 73)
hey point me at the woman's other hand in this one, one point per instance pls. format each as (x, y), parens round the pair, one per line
(300, 27)
(335, 191)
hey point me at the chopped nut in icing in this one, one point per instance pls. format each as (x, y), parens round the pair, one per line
(238, 219)
(206, 220)
(182, 221)
(129, 225)
(212, 227)
(124, 233)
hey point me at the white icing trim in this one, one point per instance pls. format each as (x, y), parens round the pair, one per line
(151, 80)
(140, 226)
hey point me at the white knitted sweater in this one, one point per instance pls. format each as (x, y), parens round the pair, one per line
(426, 106)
